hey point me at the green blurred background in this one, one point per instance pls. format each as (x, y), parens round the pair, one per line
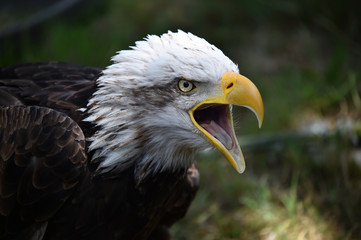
(303, 177)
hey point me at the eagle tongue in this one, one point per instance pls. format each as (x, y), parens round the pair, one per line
(218, 132)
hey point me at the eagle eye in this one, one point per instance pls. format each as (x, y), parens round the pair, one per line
(185, 86)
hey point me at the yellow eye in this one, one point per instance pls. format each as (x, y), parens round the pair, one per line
(185, 86)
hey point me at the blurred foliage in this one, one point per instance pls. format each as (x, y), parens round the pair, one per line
(305, 58)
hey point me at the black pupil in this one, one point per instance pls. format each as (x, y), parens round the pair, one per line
(186, 84)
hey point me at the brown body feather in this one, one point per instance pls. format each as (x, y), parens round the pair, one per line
(47, 186)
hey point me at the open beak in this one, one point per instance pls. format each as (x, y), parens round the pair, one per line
(213, 116)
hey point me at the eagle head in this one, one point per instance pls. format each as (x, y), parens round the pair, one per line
(163, 100)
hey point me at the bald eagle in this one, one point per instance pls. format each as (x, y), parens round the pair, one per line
(109, 154)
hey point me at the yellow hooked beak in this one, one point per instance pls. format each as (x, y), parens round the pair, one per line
(214, 119)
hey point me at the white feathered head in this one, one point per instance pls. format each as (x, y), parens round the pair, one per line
(163, 100)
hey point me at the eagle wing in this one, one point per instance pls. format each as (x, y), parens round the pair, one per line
(42, 151)
(42, 158)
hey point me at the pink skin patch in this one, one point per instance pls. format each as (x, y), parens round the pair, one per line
(216, 120)
(218, 132)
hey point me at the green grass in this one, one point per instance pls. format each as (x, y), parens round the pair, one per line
(304, 56)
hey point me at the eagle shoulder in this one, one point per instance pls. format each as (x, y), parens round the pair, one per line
(65, 87)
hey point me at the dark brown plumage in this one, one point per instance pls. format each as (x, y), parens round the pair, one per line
(90, 154)
(47, 186)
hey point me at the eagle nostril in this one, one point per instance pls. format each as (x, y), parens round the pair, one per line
(230, 85)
